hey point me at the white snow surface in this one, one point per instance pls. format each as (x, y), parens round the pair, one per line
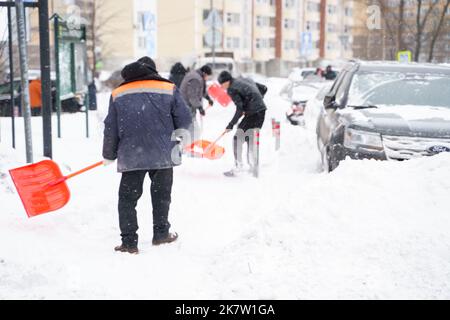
(369, 230)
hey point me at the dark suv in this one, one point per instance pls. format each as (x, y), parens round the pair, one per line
(385, 111)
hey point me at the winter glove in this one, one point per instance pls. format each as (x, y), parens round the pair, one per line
(107, 162)
(202, 111)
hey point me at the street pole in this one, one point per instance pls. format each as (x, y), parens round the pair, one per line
(11, 78)
(213, 34)
(25, 96)
(44, 49)
(86, 80)
(57, 71)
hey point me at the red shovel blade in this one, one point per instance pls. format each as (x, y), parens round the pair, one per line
(203, 149)
(219, 94)
(36, 186)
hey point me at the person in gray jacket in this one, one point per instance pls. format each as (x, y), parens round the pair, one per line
(193, 90)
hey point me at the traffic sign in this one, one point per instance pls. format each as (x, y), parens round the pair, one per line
(404, 56)
(214, 20)
(306, 43)
(213, 38)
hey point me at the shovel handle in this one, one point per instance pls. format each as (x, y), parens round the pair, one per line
(215, 142)
(95, 165)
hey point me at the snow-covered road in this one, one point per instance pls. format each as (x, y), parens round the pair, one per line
(368, 230)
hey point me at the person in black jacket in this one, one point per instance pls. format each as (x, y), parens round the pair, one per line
(248, 98)
(177, 73)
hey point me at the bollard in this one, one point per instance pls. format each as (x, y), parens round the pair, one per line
(256, 142)
(277, 134)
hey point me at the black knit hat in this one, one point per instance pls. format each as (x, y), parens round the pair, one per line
(206, 70)
(224, 76)
(148, 62)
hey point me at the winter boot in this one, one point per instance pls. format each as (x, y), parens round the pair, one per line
(126, 249)
(171, 237)
(237, 170)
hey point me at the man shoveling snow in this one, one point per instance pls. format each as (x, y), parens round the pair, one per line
(144, 111)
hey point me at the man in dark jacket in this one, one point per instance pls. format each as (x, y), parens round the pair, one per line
(193, 89)
(248, 98)
(329, 74)
(177, 73)
(144, 112)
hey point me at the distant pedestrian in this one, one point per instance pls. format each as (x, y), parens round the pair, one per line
(248, 98)
(193, 89)
(143, 113)
(35, 88)
(329, 74)
(177, 73)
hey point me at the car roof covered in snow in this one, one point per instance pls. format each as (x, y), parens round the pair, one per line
(393, 66)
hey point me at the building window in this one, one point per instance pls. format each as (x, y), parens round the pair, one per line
(313, 6)
(289, 45)
(233, 19)
(289, 24)
(290, 4)
(272, 42)
(348, 12)
(233, 43)
(332, 9)
(331, 27)
(312, 25)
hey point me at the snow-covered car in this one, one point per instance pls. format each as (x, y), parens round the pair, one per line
(298, 94)
(313, 109)
(385, 111)
(299, 74)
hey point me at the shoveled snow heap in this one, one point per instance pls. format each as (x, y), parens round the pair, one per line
(368, 230)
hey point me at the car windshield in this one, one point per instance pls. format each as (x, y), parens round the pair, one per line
(395, 88)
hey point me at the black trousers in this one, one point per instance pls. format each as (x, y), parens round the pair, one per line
(131, 188)
(35, 112)
(253, 121)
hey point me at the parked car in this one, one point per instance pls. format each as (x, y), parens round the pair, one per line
(313, 110)
(299, 74)
(385, 111)
(298, 94)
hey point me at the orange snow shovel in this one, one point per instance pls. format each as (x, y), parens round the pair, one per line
(41, 186)
(206, 149)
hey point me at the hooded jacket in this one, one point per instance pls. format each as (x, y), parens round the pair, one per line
(177, 74)
(143, 113)
(247, 97)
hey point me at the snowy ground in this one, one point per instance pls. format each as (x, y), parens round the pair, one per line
(369, 230)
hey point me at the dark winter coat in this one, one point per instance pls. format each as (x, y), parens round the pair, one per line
(247, 97)
(143, 114)
(177, 74)
(193, 89)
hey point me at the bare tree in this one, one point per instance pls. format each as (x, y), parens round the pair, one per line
(437, 31)
(98, 26)
(3, 55)
(421, 24)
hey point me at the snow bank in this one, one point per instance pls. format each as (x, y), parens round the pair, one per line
(368, 230)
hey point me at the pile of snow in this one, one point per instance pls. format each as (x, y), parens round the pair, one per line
(368, 230)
